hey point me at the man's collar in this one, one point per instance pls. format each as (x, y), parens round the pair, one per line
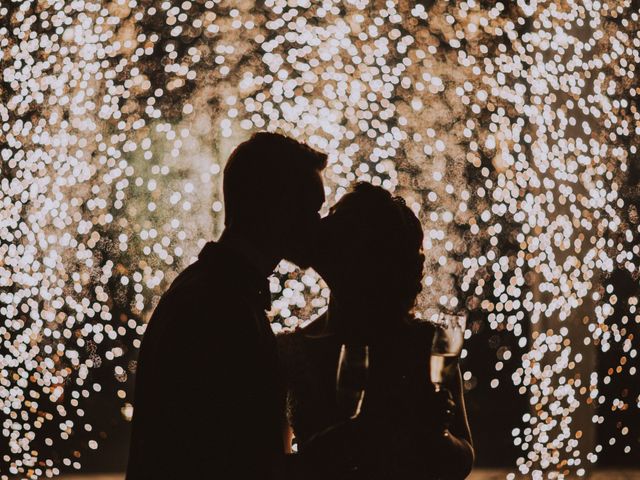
(243, 247)
(237, 270)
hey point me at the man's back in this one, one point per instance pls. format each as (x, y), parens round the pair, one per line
(208, 398)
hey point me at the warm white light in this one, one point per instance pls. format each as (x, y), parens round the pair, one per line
(507, 129)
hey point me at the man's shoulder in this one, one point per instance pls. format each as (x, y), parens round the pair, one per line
(198, 283)
(199, 295)
(195, 314)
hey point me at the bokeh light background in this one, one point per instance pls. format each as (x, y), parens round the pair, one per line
(510, 128)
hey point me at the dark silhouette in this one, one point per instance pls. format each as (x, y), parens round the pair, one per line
(370, 254)
(209, 397)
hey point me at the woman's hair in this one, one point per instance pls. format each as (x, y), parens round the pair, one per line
(379, 244)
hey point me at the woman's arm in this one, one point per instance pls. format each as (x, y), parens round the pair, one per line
(460, 425)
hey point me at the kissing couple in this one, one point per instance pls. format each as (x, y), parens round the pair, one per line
(219, 396)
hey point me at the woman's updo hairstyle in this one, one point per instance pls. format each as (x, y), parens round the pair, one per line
(379, 244)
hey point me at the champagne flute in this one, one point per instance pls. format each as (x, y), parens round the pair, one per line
(447, 344)
(351, 378)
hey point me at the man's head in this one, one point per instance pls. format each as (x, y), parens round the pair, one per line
(273, 192)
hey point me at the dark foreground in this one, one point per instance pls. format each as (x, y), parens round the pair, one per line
(478, 474)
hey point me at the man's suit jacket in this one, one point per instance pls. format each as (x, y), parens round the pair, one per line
(209, 399)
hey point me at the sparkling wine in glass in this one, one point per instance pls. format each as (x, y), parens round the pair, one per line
(351, 378)
(447, 344)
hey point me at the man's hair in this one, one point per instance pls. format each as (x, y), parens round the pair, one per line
(264, 172)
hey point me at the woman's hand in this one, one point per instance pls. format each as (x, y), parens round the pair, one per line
(453, 456)
(444, 410)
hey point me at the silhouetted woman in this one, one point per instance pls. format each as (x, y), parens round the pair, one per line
(370, 254)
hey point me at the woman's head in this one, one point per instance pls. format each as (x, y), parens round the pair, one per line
(370, 254)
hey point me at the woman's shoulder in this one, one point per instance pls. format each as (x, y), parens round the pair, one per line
(311, 332)
(306, 345)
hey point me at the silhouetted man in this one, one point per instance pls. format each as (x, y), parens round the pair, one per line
(209, 402)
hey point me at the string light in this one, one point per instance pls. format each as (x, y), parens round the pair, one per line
(509, 130)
